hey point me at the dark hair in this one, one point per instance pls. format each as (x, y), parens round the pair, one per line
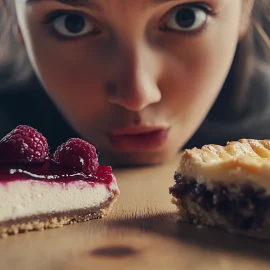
(254, 47)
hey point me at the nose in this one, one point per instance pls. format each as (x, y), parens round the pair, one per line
(135, 83)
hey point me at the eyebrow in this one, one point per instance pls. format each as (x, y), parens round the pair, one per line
(89, 3)
(73, 3)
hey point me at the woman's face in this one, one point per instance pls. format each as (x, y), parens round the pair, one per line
(134, 77)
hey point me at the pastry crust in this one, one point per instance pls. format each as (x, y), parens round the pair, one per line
(246, 161)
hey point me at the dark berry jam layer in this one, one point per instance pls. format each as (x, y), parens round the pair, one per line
(245, 209)
(52, 172)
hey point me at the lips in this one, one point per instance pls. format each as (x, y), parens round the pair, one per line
(138, 138)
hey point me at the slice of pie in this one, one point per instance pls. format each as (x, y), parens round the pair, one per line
(226, 187)
(39, 190)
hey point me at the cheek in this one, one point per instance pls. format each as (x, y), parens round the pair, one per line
(198, 66)
(71, 75)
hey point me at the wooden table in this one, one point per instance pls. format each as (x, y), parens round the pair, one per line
(140, 233)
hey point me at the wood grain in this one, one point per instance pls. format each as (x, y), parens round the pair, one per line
(140, 233)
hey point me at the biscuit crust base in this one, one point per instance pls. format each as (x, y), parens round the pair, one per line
(55, 220)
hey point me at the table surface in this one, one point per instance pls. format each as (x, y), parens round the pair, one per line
(141, 232)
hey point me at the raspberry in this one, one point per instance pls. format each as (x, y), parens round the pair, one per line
(23, 144)
(78, 154)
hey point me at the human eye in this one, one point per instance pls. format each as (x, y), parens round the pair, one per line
(71, 25)
(187, 18)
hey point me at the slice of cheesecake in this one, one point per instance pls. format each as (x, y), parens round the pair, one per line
(40, 191)
(226, 187)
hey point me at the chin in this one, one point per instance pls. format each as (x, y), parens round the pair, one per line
(124, 160)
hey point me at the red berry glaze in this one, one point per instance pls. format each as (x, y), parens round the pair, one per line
(24, 144)
(78, 154)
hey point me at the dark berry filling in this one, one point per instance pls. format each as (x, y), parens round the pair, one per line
(245, 209)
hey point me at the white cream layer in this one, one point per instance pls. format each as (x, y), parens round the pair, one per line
(31, 197)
